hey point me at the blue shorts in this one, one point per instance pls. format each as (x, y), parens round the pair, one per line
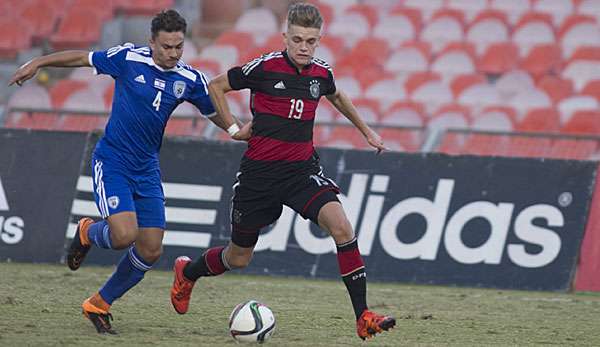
(117, 190)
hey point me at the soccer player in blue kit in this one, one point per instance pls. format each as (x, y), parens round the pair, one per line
(150, 82)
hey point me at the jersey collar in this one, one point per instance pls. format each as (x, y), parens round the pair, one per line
(291, 63)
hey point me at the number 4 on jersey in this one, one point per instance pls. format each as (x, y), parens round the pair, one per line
(156, 102)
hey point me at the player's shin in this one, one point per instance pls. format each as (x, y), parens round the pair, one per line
(211, 263)
(353, 273)
(129, 272)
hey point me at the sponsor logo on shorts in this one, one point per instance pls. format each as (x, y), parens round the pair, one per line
(113, 202)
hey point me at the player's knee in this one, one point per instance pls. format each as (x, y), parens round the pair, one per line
(239, 261)
(122, 238)
(151, 254)
(341, 230)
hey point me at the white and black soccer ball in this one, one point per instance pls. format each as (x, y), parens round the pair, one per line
(251, 321)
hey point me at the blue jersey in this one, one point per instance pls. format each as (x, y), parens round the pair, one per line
(145, 96)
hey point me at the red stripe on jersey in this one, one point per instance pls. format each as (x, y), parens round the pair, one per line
(284, 106)
(264, 148)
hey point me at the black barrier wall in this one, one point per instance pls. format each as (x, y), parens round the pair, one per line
(491, 222)
(38, 171)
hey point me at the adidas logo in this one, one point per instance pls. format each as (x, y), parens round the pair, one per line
(279, 85)
(3, 201)
(140, 79)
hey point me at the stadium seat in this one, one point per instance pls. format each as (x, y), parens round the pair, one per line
(227, 55)
(144, 7)
(569, 106)
(412, 14)
(404, 113)
(581, 72)
(498, 58)
(350, 27)
(558, 9)
(326, 113)
(85, 100)
(469, 7)
(555, 87)
(514, 9)
(404, 140)
(589, 7)
(103, 12)
(479, 95)
(242, 41)
(542, 59)
(546, 120)
(260, 22)
(410, 57)
(81, 123)
(386, 91)
(448, 119)
(427, 8)
(572, 21)
(530, 99)
(367, 11)
(417, 79)
(442, 30)
(579, 149)
(586, 32)
(41, 18)
(592, 88)
(531, 30)
(15, 37)
(35, 121)
(452, 143)
(583, 122)
(433, 93)
(395, 29)
(370, 51)
(493, 120)
(487, 144)
(339, 6)
(63, 89)
(455, 59)
(30, 95)
(343, 136)
(461, 82)
(513, 83)
(487, 28)
(210, 67)
(78, 28)
(177, 126)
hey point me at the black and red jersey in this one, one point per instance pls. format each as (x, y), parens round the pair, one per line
(283, 102)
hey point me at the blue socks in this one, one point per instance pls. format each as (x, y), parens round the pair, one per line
(130, 271)
(99, 234)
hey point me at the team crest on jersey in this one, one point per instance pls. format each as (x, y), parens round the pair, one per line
(113, 202)
(315, 89)
(179, 88)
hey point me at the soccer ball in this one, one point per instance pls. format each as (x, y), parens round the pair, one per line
(251, 321)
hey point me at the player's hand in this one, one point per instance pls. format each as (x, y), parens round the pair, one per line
(376, 142)
(244, 133)
(25, 72)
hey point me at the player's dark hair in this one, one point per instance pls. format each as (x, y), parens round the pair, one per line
(169, 21)
(304, 15)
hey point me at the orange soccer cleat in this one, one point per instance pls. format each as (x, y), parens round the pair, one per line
(96, 310)
(80, 245)
(370, 323)
(181, 292)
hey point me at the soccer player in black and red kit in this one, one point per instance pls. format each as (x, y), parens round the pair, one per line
(281, 166)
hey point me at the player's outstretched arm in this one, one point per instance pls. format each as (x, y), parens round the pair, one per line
(216, 90)
(342, 103)
(59, 59)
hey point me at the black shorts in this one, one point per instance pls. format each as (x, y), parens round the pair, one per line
(259, 202)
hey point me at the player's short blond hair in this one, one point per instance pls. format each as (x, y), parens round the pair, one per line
(304, 15)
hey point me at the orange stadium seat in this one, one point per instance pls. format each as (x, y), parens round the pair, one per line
(210, 67)
(592, 88)
(529, 146)
(104, 11)
(400, 139)
(395, 29)
(412, 14)
(480, 95)
(367, 11)
(589, 7)
(387, 90)
(572, 149)
(583, 122)
(144, 7)
(546, 120)
(569, 106)
(404, 113)
(177, 126)
(417, 79)
(452, 143)
(514, 9)
(573, 20)
(498, 58)
(346, 137)
(469, 8)
(557, 88)
(243, 41)
(528, 99)
(15, 36)
(351, 27)
(487, 28)
(493, 120)
(368, 109)
(513, 82)
(260, 22)
(81, 123)
(370, 51)
(427, 8)
(63, 89)
(558, 9)
(410, 57)
(487, 144)
(581, 32)
(36, 121)
(461, 82)
(31, 95)
(449, 119)
(542, 59)
(77, 29)
(533, 29)
(41, 17)
(456, 58)
(580, 72)
(445, 27)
